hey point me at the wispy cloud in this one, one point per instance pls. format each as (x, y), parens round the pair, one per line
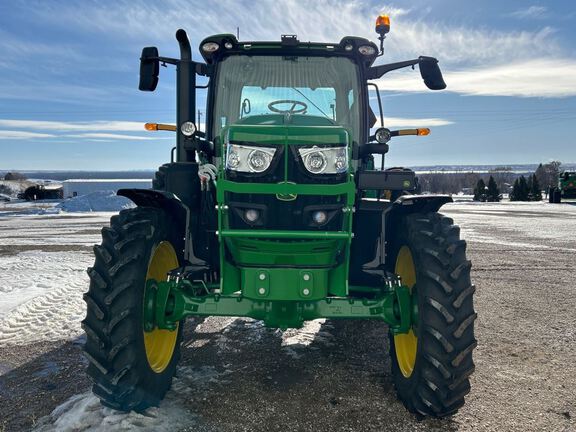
(477, 60)
(112, 136)
(412, 34)
(547, 78)
(530, 12)
(478, 52)
(119, 126)
(19, 135)
(32, 129)
(404, 122)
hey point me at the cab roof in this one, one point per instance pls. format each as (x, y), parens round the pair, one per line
(289, 45)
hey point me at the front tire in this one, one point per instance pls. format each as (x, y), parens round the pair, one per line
(431, 364)
(131, 369)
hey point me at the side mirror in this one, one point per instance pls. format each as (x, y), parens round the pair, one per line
(149, 69)
(430, 72)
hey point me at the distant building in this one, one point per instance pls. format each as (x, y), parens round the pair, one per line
(42, 192)
(77, 187)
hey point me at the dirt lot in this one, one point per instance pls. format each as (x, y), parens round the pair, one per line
(236, 375)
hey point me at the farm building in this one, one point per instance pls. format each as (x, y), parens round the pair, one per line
(78, 187)
(42, 192)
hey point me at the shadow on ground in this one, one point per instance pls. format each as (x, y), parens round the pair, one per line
(335, 378)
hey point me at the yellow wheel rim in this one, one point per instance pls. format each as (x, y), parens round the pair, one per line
(406, 344)
(160, 344)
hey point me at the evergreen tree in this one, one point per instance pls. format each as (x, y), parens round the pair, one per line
(520, 190)
(541, 174)
(535, 192)
(523, 189)
(480, 191)
(515, 194)
(493, 193)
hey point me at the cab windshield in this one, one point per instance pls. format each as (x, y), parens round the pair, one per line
(324, 89)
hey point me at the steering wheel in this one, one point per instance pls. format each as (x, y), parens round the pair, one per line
(292, 109)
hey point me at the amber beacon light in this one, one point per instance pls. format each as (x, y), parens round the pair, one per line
(382, 24)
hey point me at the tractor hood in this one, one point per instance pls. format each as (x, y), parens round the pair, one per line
(275, 129)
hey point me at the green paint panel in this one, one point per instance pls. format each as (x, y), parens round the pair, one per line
(313, 253)
(286, 188)
(283, 284)
(261, 134)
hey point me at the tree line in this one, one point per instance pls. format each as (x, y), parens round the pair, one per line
(504, 177)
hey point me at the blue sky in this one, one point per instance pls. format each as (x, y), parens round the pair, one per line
(69, 73)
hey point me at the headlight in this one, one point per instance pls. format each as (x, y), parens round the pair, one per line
(326, 160)
(367, 50)
(210, 47)
(243, 158)
(188, 128)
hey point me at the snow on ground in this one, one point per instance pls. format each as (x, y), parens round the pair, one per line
(43, 259)
(84, 411)
(43, 262)
(43, 304)
(534, 221)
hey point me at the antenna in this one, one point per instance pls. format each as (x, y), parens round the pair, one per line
(238, 33)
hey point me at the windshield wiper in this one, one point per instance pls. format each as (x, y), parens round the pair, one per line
(308, 99)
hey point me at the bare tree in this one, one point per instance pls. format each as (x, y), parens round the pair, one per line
(14, 176)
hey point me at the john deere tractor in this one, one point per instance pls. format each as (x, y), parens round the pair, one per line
(274, 210)
(566, 187)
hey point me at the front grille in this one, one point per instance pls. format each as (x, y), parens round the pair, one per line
(277, 214)
(285, 215)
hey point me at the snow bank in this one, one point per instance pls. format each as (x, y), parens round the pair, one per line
(96, 201)
(84, 411)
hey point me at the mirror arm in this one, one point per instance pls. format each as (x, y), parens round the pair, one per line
(378, 71)
(200, 68)
(167, 60)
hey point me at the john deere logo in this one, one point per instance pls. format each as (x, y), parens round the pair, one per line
(287, 197)
(406, 183)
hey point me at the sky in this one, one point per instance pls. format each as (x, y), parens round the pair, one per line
(69, 75)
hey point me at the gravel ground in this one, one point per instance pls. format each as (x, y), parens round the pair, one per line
(335, 375)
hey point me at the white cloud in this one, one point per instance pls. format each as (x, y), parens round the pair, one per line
(412, 32)
(111, 136)
(402, 122)
(118, 126)
(88, 130)
(16, 135)
(530, 12)
(548, 78)
(478, 60)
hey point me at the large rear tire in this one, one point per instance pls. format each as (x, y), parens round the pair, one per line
(131, 369)
(431, 365)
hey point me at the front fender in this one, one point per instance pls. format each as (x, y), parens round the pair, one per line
(166, 201)
(408, 204)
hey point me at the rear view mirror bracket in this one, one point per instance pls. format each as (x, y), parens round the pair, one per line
(429, 71)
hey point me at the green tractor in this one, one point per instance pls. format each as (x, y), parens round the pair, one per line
(275, 211)
(566, 187)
